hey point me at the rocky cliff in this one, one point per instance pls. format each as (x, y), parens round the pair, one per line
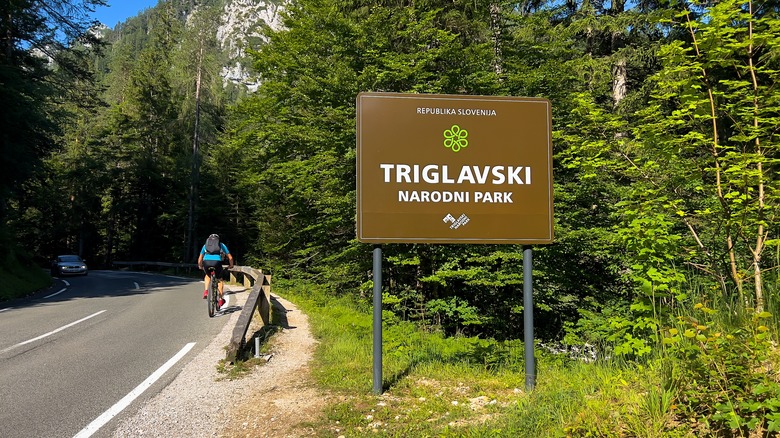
(242, 26)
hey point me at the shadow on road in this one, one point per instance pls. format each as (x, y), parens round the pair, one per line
(99, 284)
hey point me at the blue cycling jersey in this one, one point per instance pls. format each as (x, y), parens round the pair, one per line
(207, 256)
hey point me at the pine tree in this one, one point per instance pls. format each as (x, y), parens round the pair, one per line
(39, 69)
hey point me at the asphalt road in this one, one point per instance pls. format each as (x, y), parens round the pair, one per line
(75, 363)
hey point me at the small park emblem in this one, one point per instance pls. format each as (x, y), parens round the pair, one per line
(456, 138)
(456, 223)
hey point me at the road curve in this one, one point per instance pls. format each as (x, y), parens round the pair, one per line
(71, 358)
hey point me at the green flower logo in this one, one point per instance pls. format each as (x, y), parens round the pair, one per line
(456, 138)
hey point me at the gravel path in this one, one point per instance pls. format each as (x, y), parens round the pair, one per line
(272, 401)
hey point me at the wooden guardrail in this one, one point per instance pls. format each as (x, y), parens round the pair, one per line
(259, 297)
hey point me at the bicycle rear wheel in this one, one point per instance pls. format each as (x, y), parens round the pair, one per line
(213, 297)
(215, 291)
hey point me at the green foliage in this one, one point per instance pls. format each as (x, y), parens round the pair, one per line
(38, 70)
(628, 333)
(667, 183)
(461, 386)
(45, 76)
(623, 402)
(347, 327)
(119, 179)
(454, 312)
(19, 274)
(631, 337)
(707, 141)
(725, 377)
(654, 242)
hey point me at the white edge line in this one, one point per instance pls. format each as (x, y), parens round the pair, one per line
(6, 309)
(126, 400)
(55, 293)
(53, 331)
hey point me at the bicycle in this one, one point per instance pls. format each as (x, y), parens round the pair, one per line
(213, 296)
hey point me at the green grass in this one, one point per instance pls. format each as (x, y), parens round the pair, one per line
(470, 387)
(438, 386)
(21, 278)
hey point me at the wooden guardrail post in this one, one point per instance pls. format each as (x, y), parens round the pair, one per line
(260, 299)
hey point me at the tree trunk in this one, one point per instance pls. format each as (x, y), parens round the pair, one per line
(619, 82)
(495, 24)
(195, 177)
(735, 275)
(761, 235)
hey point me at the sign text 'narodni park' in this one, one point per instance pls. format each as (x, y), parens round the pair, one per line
(454, 169)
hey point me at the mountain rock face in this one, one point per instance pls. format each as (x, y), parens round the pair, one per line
(241, 27)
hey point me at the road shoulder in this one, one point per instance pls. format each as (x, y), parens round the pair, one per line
(273, 400)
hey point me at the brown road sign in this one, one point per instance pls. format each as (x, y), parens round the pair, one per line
(454, 169)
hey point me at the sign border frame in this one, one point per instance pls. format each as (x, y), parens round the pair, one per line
(445, 240)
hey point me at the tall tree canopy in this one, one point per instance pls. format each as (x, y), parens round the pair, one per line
(45, 47)
(297, 137)
(622, 236)
(34, 36)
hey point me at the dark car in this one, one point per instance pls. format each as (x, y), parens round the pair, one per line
(68, 265)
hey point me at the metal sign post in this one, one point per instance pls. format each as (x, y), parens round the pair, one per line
(528, 318)
(377, 320)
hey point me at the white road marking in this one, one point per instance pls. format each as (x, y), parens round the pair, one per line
(55, 293)
(53, 331)
(113, 411)
(66, 282)
(7, 308)
(136, 286)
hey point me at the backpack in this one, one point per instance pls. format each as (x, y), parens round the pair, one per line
(213, 246)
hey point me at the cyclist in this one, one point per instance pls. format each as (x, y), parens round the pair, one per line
(214, 259)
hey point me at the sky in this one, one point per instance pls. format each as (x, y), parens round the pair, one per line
(120, 10)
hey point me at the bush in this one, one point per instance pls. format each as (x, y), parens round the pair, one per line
(19, 277)
(725, 378)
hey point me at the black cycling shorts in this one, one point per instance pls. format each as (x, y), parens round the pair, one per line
(217, 264)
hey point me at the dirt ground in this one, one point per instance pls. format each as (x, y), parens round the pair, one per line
(284, 397)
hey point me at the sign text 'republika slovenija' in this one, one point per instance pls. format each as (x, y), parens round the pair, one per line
(454, 169)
